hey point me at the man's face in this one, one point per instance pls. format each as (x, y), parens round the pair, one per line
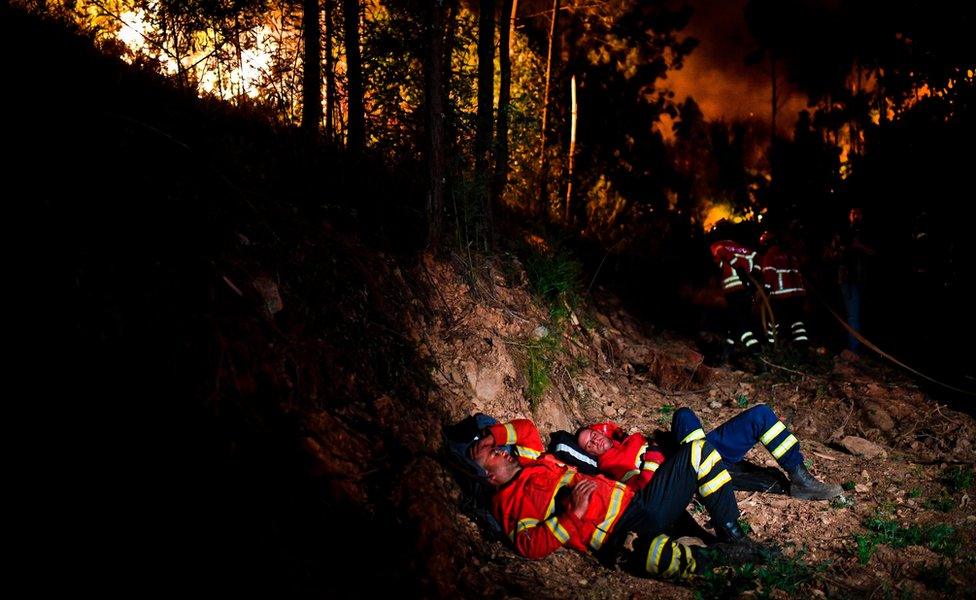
(500, 465)
(593, 442)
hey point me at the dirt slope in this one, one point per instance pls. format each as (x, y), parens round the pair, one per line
(476, 343)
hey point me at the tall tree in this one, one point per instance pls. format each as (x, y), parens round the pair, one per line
(506, 23)
(486, 85)
(356, 132)
(438, 15)
(330, 76)
(543, 163)
(312, 80)
(486, 100)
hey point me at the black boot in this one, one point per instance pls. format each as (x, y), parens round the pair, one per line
(805, 486)
(731, 533)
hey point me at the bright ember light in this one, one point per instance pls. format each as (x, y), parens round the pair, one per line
(133, 30)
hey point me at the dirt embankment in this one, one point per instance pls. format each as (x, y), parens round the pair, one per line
(859, 423)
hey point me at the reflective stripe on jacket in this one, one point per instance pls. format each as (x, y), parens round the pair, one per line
(781, 274)
(534, 507)
(730, 257)
(632, 461)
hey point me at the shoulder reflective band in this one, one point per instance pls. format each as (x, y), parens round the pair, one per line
(510, 435)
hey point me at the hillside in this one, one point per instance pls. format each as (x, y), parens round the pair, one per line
(239, 387)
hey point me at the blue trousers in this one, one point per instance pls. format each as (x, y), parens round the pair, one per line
(736, 436)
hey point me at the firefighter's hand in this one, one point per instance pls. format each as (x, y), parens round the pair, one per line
(581, 497)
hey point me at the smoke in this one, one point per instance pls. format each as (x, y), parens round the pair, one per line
(716, 75)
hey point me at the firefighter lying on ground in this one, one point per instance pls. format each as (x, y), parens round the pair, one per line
(543, 505)
(634, 460)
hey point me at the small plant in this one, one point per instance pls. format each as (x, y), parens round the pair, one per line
(847, 485)
(808, 463)
(944, 503)
(958, 478)
(742, 400)
(667, 410)
(841, 502)
(937, 578)
(914, 493)
(865, 547)
(941, 537)
(540, 355)
(745, 526)
(787, 575)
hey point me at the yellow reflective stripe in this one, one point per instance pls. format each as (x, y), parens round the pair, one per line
(640, 456)
(696, 450)
(557, 530)
(654, 554)
(673, 566)
(718, 481)
(697, 434)
(597, 539)
(563, 482)
(527, 452)
(628, 475)
(706, 467)
(613, 511)
(510, 435)
(772, 432)
(788, 443)
(690, 565)
(651, 466)
(521, 525)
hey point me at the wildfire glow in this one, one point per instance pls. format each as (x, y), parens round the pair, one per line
(133, 30)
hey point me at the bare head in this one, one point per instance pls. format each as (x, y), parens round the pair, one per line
(500, 466)
(593, 442)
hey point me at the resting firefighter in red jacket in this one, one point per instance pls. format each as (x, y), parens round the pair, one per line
(544, 505)
(784, 286)
(630, 459)
(737, 263)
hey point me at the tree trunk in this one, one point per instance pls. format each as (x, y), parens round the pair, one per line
(486, 85)
(435, 77)
(543, 195)
(572, 149)
(356, 133)
(330, 81)
(312, 82)
(486, 100)
(506, 24)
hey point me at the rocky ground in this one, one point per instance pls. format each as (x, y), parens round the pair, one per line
(905, 527)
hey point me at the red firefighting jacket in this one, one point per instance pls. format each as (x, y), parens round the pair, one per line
(781, 274)
(533, 508)
(631, 460)
(730, 257)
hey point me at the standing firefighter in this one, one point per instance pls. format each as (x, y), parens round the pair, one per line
(784, 286)
(737, 262)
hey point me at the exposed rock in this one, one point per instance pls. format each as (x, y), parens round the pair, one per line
(878, 416)
(862, 447)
